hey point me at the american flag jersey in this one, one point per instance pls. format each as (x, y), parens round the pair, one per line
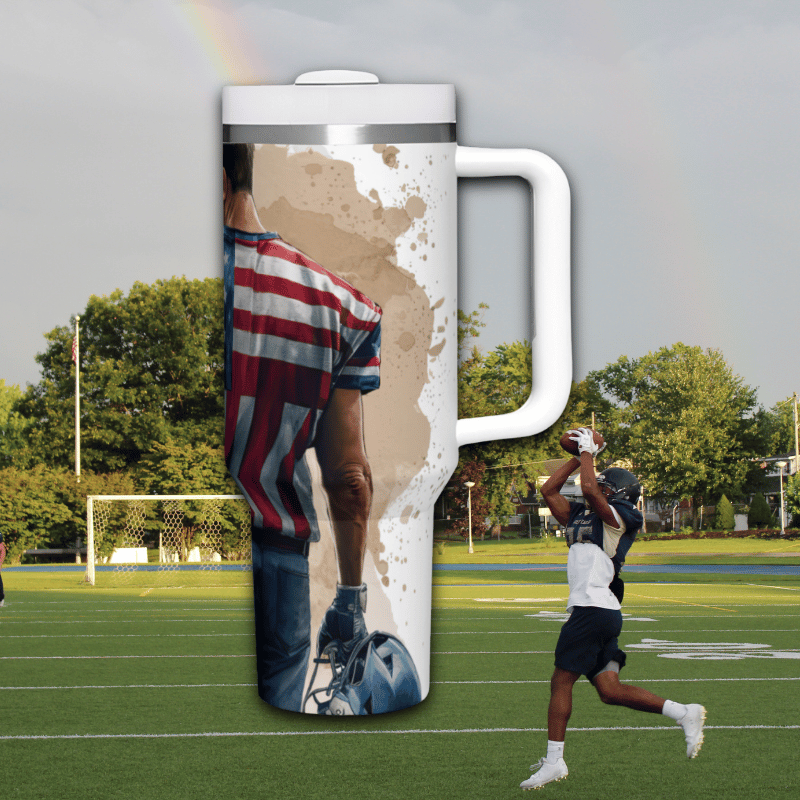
(293, 333)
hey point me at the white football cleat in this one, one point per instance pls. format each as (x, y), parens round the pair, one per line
(692, 723)
(547, 772)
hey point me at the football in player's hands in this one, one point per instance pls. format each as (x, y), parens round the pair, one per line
(569, 440)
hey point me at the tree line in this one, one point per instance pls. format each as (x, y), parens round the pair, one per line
(679, 417)
(152, 362)
(151, 366)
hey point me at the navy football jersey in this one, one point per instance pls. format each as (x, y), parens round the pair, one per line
(585, 525)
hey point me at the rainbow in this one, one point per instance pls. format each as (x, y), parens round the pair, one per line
(215, 38)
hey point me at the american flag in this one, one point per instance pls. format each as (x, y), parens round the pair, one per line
(75, 349)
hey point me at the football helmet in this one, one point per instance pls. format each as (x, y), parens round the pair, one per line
(379, 676)
(623, 484)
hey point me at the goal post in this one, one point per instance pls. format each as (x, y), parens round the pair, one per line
(190, 531)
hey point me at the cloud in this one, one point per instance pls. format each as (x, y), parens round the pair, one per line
(676, 123)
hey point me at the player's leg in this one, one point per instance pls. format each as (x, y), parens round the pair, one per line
(560, 708)
(614, 693)
(553, 767)
(283, 624)
(573, 657)
(690, 717)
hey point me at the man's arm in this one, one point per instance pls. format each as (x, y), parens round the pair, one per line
(551, 491)
(595, 497)
(593, 494)
(347, 479)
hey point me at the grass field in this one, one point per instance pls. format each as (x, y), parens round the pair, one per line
(148, 692)
(553, 550)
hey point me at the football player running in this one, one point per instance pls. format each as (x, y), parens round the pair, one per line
(599, 535)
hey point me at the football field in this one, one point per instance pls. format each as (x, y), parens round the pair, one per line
(148, 692)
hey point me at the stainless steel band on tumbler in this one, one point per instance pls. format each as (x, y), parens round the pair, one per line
(433, 132)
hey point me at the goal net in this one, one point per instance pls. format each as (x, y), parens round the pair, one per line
(162, 537)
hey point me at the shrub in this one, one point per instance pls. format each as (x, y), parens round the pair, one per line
(759, 515)
(724, 518)
(44, 507)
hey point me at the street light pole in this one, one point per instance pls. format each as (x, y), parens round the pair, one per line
(796, 436)
(796, 456)
(469, 485)
(782, 464)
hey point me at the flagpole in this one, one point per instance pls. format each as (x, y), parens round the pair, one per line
(77, 360)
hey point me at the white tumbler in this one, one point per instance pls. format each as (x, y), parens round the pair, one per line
(360, 178)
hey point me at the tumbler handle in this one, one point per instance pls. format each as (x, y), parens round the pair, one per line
(551, 328)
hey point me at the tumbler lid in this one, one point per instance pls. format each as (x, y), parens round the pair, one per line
(339, 97)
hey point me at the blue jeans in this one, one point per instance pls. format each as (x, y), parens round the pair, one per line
(283, 624)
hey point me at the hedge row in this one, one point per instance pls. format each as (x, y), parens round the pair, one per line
(769, 533)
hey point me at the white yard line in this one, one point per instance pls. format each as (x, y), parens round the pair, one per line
(433, 683)
(371, 732)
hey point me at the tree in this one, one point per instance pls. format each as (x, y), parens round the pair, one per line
(759, 515)
(498, 383)
(173, 468)
(460, 497)
(503, 378)
(724, 518)
(29, 509)
(44, 507)
(491, 384)
(470, 401)
(519, 462)
(686, 422)
(586, 404)
(781, 429)
(151, 371)
(12, 424)
(469, 328)
(793, 497)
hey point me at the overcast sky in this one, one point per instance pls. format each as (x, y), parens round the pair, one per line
(678, 125)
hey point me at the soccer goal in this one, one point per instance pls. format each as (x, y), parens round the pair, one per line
(166, 534)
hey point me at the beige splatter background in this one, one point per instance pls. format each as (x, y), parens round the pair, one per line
(313, 202)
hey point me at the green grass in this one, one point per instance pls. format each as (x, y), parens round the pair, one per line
(147, 692)
(554, 550)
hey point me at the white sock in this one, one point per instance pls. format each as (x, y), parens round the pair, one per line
(555, 750)
(673, 710)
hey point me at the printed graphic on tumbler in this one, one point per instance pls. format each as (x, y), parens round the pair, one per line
(329, 347)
